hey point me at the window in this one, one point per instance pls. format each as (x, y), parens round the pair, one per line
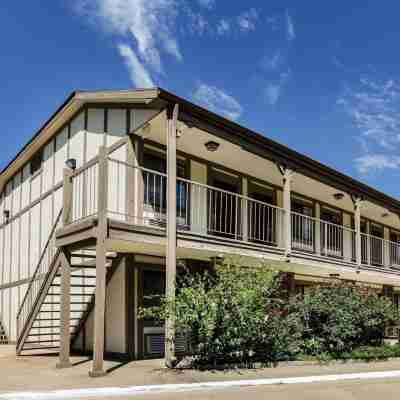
(155, 185)
(36, 162)
(331, 232)
(302, 224)
(262, 218)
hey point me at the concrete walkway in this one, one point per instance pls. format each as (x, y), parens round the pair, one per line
(38, 373)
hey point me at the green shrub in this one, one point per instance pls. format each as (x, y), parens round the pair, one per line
(237, 314)
(340, 317)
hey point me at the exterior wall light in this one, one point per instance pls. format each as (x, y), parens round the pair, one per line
(212, 146)
(385, 214)
(338, 196)
(6, 214)
(71, 163)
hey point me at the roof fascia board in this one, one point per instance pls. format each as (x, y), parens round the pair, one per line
(274, 151)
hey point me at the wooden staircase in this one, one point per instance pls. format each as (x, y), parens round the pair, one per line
(38, 319)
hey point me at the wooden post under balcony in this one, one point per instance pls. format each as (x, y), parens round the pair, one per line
(65, 310)
(357, 228)
(67, 196)
(287, 174)
(170, 358)
(101, 251)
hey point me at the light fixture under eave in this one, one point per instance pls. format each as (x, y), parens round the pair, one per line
(212, 146)
(385, 214)
(338, 196)
(71, 163)
(6, 214)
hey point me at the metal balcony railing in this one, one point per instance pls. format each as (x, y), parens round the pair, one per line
(210, 211)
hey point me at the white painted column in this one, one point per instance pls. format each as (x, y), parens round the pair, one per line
(287, 217)
(386, 247)
(357, 228)
(100, 291)
(244, 210)
(170, 358)
(368, 229)
(317, 228)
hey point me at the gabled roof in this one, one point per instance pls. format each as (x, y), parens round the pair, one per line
(216, 124)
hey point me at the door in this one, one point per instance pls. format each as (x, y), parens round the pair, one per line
(303, 225)
(262, 219)
(376, 244)
(394, 249)
(224, 207)
(331, 233)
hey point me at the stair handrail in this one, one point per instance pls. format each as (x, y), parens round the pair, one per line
(34, 280)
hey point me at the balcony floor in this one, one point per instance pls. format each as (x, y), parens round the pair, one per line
(147, 240)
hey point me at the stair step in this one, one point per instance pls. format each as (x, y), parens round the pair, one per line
(72, 285)
(41, 341)
(54, 319)
(40, 348)
(44, 334)
(71, 294)
(59, 303)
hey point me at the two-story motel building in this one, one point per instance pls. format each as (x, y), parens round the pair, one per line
(117, 186)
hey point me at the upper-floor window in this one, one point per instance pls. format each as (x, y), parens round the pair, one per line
(36, 162)
(155, 185)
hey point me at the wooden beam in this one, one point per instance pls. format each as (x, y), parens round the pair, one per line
(65, 310)
(170, 358)
(101, 260)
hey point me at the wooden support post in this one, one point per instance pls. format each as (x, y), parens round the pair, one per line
(101, 251)
(357, 228)
(317, 245)
(244, 209)
(67, 196)
(65, 310)
(287, 174)
(170, 358)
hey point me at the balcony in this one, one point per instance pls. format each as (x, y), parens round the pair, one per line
(137, 197)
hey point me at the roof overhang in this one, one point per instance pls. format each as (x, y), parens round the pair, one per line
(215, 124)
(64, 113)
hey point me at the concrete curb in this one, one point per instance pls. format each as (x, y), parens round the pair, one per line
(181, 388)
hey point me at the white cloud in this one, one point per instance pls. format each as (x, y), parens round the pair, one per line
(247, 20)
(273, 90)
(376, 162)
(272, 93)
(374, 109)
(138, 73)
(207, 3)
(198, 23)
(275, 61)
(218, 101)
(290, 31)
(151, 23)
(223, 27)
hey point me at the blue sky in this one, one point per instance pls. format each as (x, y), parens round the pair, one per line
(320, 77)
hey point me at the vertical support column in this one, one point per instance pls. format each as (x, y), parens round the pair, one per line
(287, 174)
(67, 196)
(170, 358)
(386, 247)
(101, 251)
(65, 310)
(357, 227)
(368, 229)
(244, 210)
(317, 228)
